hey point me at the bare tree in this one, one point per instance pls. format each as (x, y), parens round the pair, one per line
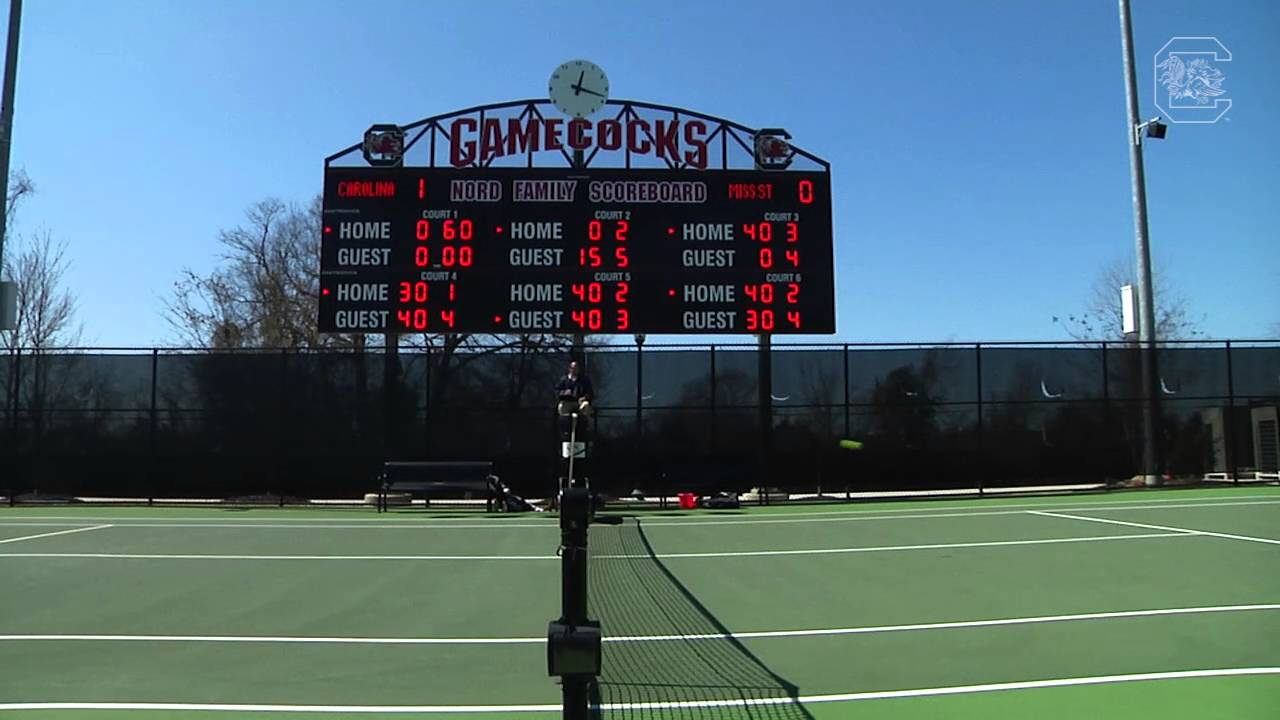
(20, 186)
(1102, 317)
(266, 291)
(46, 309)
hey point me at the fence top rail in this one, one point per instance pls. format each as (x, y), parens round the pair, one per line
(630, 347)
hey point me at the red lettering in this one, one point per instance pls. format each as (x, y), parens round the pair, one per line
(667, 138)
(609, 134)
(635, 143)
(793, 317)
(793, 293)
(620, 254)
(461, 153)
(579, 134)
(620, 295)
(624, 319)
(551, 138)
(491, 140)
(695, 132)
(522, 138)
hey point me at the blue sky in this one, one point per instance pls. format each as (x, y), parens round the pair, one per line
(978, 152)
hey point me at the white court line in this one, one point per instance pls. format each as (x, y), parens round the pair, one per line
(867, 629)
(849, 516)
(549, 525)
(51, 534)
(660, 556)
(736, 702)
(1248, 538)
(892, 548)
(1153, 503)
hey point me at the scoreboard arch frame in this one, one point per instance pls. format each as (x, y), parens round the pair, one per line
(726, 133)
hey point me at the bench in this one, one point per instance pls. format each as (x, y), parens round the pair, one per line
(442, 479)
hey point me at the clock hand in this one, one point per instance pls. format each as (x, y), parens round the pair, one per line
(588, 90)
(577, 89)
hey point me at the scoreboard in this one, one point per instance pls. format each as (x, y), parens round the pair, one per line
(539, 250)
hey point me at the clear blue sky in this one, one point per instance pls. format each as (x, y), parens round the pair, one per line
(979, 161)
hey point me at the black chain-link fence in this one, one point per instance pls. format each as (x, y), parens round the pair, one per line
(289, 424)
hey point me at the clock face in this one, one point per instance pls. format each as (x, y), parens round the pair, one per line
(578, 88)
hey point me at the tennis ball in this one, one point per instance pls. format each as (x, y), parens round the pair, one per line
(851, 444)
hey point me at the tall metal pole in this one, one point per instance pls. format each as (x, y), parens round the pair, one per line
(6, 114)
(1146, 297)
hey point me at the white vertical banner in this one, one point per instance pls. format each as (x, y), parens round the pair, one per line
(1128, 310)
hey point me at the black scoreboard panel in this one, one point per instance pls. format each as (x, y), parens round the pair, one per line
(510, 250)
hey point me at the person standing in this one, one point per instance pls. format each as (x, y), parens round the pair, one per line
(574, 392)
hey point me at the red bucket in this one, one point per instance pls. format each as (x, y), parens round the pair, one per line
(688, 501)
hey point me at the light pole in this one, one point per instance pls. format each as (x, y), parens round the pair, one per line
(1146, 300)
(8, 291)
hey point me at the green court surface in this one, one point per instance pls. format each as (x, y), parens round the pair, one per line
(1138, 604)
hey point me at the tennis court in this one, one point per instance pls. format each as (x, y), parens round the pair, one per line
(1139, 604)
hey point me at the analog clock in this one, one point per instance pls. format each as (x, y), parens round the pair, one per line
(578, 88)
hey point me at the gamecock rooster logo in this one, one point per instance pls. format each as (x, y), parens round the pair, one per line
(1197, 81)
(1188, 80)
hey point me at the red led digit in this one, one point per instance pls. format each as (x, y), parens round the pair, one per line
(589, 257)
(447, 316)
(762, 232)
(590, 292)
(422, 188)
(421, 256)
(806, 192)
(448, 232)
(590, 319)
(413, 292)
(793, 293)
(415, 319)
(753, 319)
(624, 319)
(451, 255)
(620, 254)
(766, 258)
(793, 317)
(620, 233)
(451, 292)
(793, 232)
(766, 319)
(752, 292)
(620, 295)
(793, 257)
(594, 231)
(465, 229)
(423, 230)
(766, 293)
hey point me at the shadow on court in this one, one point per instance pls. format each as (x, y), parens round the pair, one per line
(639, 596)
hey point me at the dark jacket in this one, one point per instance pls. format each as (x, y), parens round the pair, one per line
(578, 388)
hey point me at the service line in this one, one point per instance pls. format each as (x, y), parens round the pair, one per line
(735, 702)
(689, 637)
